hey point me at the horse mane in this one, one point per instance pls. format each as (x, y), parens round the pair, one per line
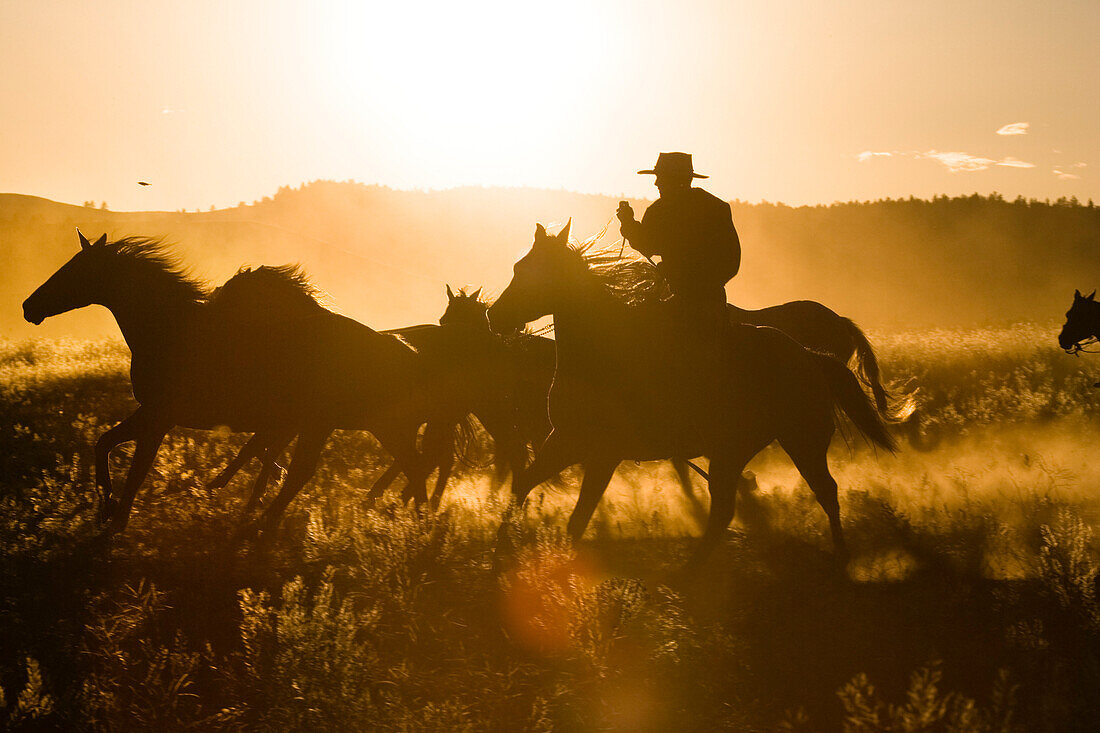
(153, 256)
(631, 279)
(268, 287)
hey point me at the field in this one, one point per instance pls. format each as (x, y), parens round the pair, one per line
(971, 602)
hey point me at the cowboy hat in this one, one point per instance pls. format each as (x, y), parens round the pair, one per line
(674, 164)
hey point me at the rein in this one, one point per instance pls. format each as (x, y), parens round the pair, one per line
(1080, 347)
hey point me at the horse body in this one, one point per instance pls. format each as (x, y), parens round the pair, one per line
(616, 384)
(621, 392)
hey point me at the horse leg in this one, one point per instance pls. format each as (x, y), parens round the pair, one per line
(145, 452)
(125, 431)
(378, 488)
(554, 457)
(515, 458)
(810, 457)
(303, 464)
(597, 475)
(268, 466)
(683, 475)
(400, 441)
(509, 448)
(252, 449)
(439, 443)
(725, 479)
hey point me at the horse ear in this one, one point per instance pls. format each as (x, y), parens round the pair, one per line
(540, 232)
(1076, 294)
(564, 233)
(84, 243)
(101, 241)
(1091, 296)
(476, 293)
(450, 293)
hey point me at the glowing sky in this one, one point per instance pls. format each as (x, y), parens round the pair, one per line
(216, 102)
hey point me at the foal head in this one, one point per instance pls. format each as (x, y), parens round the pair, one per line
(465, 310)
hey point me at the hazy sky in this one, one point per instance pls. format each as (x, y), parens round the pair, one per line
(216, 102)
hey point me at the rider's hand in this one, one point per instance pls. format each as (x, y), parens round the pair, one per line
(624, 212)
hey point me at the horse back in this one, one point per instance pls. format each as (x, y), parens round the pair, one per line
(812, 324)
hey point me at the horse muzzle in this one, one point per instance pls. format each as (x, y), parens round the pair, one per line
(31, 314)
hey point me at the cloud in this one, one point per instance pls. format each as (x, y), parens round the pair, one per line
(1062, 176)
(1079, 165)
(868, 154)
(954, 161)
(1015, 128)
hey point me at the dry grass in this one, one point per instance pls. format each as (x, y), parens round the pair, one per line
(971, 603)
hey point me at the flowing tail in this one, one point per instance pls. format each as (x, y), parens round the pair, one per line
(897, 409)
(849, 398)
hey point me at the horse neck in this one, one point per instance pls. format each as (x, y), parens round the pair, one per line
(589, 324)
(1094, 319)
(150, 317)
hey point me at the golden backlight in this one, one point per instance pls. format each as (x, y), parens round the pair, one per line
(472, 91)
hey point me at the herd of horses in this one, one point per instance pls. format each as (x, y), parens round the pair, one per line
(262, 355)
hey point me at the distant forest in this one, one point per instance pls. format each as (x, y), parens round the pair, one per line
(384, 255)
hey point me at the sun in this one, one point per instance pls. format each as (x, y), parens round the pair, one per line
(467, 89)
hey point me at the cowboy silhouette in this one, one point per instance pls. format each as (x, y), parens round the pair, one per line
(692, 231)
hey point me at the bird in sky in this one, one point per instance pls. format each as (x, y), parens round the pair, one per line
(144, 183)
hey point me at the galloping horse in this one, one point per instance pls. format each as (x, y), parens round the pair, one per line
(617, 395)
(307, 371)
(1082, 326)
(808, 322)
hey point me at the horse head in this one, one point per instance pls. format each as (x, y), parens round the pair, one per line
(1082, 322)
(465, 310)
(537, 280)
(76, 285)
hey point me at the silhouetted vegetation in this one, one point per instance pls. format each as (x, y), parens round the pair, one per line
(384, 255)
(970, 603)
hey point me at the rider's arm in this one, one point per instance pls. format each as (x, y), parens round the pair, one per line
(640, 233)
